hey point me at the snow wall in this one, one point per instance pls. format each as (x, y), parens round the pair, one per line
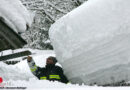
(92, 42)
(15, 15)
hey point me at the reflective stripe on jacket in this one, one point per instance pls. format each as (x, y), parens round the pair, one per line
(43, 78)
(54, 77)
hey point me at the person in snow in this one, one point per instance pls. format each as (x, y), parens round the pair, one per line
(49, 72)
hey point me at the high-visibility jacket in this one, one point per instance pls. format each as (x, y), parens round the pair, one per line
(50, 72)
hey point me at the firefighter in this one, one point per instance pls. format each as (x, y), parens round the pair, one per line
(49, 72)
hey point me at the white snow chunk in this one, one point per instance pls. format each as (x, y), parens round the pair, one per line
(92, 42)
(15, 15)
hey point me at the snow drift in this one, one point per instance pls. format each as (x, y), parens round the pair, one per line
(15, 15)
(19, 75)
(92, 42)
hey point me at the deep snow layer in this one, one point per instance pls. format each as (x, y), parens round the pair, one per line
(92, 42)
(15, 14)
(19, 75)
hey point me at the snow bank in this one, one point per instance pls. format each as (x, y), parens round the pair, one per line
(92, 42)
(19, 75)
(17, 70)
(10, 72)
(15, 15)
(21, 70)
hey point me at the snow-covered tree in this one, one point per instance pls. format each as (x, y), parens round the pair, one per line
(47, 12)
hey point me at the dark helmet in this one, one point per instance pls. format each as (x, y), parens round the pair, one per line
(53, 58)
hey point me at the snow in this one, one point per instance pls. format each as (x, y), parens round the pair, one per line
(19, 75)
(92, 45)
(15, 15)
(92, 42)
(6, 52)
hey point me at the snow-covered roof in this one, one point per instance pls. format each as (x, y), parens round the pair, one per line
(9, 39)
(15, 15)
(14, 18)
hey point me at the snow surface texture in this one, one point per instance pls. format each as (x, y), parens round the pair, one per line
(92, 42)
(15, 15)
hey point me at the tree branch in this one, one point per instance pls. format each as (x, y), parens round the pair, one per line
(60, 10)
